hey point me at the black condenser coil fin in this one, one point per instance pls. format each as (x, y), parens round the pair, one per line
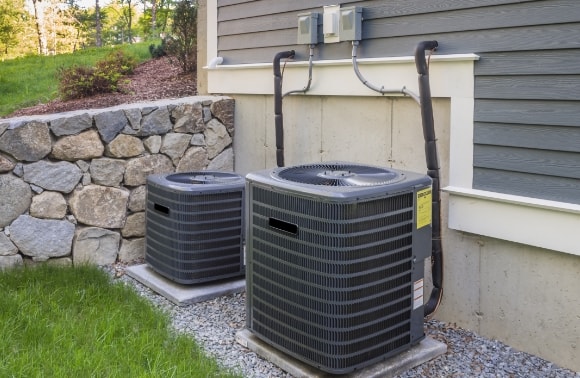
(194, 226)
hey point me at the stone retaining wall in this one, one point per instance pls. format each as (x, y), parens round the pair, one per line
(72, 185)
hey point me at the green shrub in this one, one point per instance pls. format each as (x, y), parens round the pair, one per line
(184, 32)
(157, 51)
(105, 77)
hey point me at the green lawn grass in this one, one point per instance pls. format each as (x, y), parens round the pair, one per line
(32, 80)
(76, 322)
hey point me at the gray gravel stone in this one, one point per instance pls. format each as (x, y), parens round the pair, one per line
(214, 324)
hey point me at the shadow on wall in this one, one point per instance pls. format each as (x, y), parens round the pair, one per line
(72, 185)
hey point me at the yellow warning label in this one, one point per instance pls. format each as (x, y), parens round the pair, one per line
(423, 208)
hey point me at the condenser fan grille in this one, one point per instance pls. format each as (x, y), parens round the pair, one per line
(337, 174)
(204, 178)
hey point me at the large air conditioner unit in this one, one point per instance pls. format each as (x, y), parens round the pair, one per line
(335, 256)
(195, 226)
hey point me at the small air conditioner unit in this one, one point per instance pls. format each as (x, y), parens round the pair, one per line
(335, 255)
(195, 225)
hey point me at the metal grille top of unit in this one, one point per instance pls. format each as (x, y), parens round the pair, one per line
(204, 178)
(339, 174)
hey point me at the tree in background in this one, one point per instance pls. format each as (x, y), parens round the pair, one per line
(40, 21)
(184, 32)
(98, 25)
(153, 22)
(60, 26)
(12, 23)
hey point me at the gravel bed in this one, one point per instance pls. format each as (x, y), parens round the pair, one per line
(214, 324)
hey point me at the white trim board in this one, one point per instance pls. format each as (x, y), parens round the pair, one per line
(545, 224)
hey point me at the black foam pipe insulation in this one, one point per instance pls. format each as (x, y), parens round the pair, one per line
(278, 117)
(433, 170)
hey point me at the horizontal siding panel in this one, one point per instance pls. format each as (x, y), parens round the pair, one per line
(243, 41)
(223, 3)
(258, 24)
(528, 185)
(540, 87)
(373, 8)
(549, 163)
(269, 7)
(546, 137)
(558, 113)
(556, 62)
(544, 37)
(510, 16)
(266, 55)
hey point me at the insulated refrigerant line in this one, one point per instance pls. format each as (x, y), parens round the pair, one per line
(278, 116)
(433, 169)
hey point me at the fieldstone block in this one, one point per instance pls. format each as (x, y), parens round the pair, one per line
(100, 206)
(48, 205)
(223, 162)
(174, 145)
(107, 172)
(188, 118)
(134, 118)
(28, 142)
(93, 245)
(3, 126)
(155, 123)
(84, 146)
(139, 168)
(71, 125)
(223, 110)
(15, 198)
(134, 225)
(9, 262)
(7, 248)
(197, 140)
(194, 159)
(61, 176)
(132, 249)
(110, 124)
(6, 164)
(83, 165)
(216, 138)
(137, 198)
(42, 238)
(153, 144)
(124, 146)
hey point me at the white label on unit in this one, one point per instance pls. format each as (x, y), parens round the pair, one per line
(418, 294)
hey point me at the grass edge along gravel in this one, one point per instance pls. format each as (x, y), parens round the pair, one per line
(63, 321)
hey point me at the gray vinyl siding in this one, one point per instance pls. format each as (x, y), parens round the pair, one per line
(527, 81)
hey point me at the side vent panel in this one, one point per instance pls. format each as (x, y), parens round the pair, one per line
(194, 226)
(331, 268)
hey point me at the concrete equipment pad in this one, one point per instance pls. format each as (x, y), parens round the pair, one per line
(183, 295)
(426, 350)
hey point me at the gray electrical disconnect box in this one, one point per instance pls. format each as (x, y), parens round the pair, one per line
(308, 28)
(350, 25)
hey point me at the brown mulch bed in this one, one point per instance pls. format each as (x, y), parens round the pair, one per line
(153, 80)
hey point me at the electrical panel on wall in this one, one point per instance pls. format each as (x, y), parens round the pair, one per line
(307, 28)
(350, 25)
